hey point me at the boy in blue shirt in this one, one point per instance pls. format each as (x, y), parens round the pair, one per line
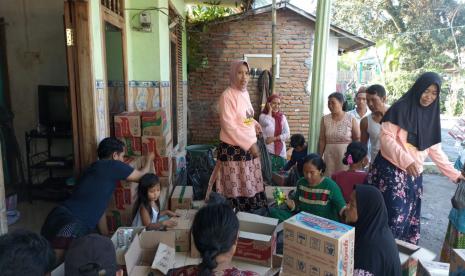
(80, 214)
(298, 153)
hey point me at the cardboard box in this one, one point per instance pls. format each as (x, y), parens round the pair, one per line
(159, 145)
(257, 239)
(409, 255)
(150, 251)
(128, 124)
(183, 229)
(194, 252)
(125, 195)
(182, 198)
(118, 218)
(132, 145)
(313, 244)
(162, 166)
(138, 162)
(154, 123)
(270, 189)
(121, 241)
(430, 268)
(457, 262)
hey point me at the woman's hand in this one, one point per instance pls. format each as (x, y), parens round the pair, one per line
(290, 203)
(461, 177)
(258, 128)
(270, 140)
(254, 150)
(412, 170)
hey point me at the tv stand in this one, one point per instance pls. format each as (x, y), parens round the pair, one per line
(47, 174)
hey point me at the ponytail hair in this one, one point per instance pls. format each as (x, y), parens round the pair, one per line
(355, 153)
(214, 229)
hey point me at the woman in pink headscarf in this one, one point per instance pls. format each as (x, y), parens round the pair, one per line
(275, 131)
(238, 172)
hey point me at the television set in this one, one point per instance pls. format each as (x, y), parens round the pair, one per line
(54, 108)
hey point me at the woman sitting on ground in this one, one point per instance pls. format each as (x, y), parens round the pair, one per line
(375, 248)
(215, 231)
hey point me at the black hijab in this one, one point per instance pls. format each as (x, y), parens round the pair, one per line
(422, 123)
(375, 247)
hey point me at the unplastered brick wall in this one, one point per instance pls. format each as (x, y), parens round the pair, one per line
(224, 42)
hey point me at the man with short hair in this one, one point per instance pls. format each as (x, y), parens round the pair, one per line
(23, 252)
(360, 111)
(370, 126)
(81, 213)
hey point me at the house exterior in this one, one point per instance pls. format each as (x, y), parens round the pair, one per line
(247, 36)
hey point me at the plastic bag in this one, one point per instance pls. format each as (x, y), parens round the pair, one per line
(265, 159)
(458, 200)
(199, 170)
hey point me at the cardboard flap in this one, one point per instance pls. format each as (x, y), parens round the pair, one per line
(320, 225)
(164, 258)
(423, 254)
(260, 270)
(132, 255)
(435, 268)
(406, 247)
(150, 239)
(257, 224)
(255, 236)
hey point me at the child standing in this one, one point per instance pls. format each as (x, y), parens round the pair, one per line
(356, 157)
(147, 208)
(315, 194)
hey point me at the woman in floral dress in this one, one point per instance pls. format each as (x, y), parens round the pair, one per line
(410, 132)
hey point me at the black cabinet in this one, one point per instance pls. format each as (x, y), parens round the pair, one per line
(49, 175)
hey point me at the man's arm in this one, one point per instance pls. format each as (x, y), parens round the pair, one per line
(138, 173)
(364, 131)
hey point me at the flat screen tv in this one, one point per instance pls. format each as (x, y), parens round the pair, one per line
(54, 108)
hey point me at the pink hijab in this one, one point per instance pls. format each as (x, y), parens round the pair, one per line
(235, 66)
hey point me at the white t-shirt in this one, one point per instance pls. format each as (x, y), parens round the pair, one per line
(138, 221)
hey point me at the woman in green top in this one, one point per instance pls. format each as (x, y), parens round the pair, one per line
(316, 194)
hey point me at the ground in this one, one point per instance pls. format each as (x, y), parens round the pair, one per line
(436, 204)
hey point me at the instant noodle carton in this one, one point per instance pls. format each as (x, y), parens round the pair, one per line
(128, 124)
(159, 145)
(317, 246)
(181, 198)
(132, 145)
(154, 123)
(183, 229)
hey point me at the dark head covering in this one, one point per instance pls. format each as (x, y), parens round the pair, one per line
(375, 247)
(422, 123)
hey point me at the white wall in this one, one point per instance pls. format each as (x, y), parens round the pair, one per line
(36, 55)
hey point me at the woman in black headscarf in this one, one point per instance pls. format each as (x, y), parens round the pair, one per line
(375, 248)
(410, 131)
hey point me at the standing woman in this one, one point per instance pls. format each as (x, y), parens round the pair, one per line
(275, 131)
(238, 171)
(410, 131)
(337, 131)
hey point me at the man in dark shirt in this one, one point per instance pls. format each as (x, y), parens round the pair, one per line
(80, 214)
(298, 153)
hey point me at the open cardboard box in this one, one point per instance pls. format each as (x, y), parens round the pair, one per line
(257, 239)
(457, 262)
(183, 229)
(409, 255)
(120, 251)
(430, 268)
(151, 251)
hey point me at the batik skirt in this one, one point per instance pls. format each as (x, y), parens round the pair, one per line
(240, 178)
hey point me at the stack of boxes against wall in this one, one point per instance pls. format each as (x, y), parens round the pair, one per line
(142, 133)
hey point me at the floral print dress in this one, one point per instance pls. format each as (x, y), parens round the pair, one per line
(402, 195)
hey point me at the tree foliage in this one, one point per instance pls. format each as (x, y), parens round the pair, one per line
(411, 36)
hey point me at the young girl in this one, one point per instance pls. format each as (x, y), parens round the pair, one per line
(147, 208)
(315, 194)
(356, 157)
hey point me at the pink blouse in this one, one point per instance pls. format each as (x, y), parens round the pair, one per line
(395, 148)
(236, 119)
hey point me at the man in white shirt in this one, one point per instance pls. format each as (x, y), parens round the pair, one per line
(361, 109)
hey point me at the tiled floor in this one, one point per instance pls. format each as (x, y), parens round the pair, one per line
(32, 215)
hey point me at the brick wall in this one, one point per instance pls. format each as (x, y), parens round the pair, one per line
(222, 43)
